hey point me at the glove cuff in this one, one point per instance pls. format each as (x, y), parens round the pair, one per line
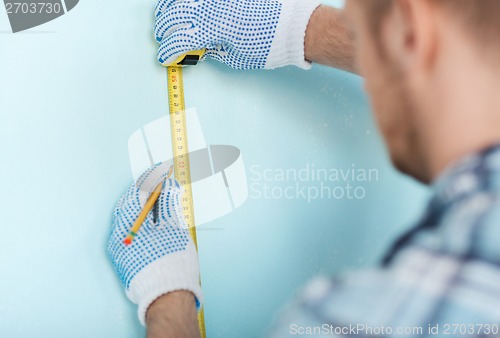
(288, 45)
(173, 272)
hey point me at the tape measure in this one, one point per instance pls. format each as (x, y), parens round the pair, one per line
(179, 135)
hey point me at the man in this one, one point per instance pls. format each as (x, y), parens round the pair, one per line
(432, 70)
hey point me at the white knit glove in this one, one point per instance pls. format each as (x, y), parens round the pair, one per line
(244, 34)
(162, 258)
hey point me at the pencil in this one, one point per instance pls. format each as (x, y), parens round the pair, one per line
(145, 211)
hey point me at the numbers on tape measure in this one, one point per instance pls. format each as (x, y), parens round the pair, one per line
(181, 157)
(179, 142)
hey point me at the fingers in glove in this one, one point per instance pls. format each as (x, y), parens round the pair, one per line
(163, 5)
(148, 181)
(179, 15)
(178, 43)
(227, 55)
(169, 205)
(133, 201)
(130, 204)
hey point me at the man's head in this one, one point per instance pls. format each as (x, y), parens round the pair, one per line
(419, 58)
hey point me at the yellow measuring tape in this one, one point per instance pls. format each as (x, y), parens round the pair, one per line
(179, 135)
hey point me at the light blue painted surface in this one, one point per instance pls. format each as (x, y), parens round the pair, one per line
(71, 93)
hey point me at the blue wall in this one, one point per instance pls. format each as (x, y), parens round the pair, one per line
(72, 92)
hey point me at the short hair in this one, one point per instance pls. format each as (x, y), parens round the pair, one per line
(480, 18)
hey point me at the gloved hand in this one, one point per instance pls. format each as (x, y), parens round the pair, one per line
(244, 34)
(162, 258)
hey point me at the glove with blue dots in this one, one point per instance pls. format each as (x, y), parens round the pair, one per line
(162, 258)
(244, 34)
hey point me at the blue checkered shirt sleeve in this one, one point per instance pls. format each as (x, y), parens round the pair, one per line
(441, 280)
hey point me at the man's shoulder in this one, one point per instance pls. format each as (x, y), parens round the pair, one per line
(486, 234)
(471, 228)
(445, 271)
(420, 287)
(468, 228)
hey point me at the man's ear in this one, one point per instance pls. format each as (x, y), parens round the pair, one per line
(409, 33)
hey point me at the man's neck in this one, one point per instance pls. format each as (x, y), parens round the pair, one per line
(463, 111)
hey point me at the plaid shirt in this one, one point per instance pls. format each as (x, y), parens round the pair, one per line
(442, 279)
